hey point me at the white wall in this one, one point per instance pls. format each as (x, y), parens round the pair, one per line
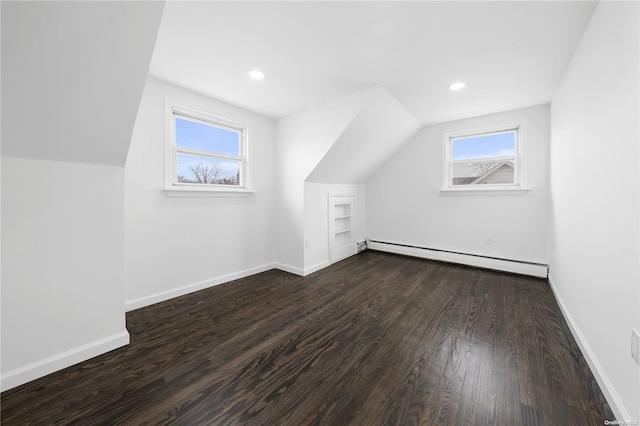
(316, 220)
(379, 129)
(594, 265)
(62, 265)
(72, 77)
(405, 204)
(302, 141)
(339, 143)
(76, 70)
(177, 245)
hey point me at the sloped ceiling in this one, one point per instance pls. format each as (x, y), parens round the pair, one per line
(511, 54)
(380, 128)
(72, 77)
(306, 137)
(403, 55)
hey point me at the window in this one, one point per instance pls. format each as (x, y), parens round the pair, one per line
(204, 152)
(483, 160)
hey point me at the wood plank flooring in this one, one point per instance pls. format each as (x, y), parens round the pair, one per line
(377, 339)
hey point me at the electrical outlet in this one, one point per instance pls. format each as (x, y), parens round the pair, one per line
(635, 346)
(307, 243)
(488, 239)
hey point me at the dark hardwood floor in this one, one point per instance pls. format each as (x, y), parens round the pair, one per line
(375, 339)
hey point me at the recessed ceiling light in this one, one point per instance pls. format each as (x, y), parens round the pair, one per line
(256, 74)
(456, 86)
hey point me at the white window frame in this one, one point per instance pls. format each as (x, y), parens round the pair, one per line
(181, 189)
(520, 175)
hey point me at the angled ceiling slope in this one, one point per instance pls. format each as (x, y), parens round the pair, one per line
(511, 54)
(379, 129)
(72, 77)
(306, 137)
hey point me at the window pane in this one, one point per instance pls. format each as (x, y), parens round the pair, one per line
(205, 170)
(207, 137)
(483, 173)
(484, 146)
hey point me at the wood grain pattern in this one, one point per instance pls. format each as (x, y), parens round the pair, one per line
(377, 339)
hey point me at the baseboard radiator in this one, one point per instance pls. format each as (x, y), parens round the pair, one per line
(507, 265)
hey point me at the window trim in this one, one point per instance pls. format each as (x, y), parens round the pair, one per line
(172, 188)
(520, 175)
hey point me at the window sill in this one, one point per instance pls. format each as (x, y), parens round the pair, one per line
(186, 192)
(485, 191)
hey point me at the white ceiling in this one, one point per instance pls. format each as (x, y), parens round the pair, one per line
(510, 54)
(70, 90)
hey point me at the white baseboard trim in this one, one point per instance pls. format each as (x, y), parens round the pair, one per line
(533, 269)
(316, 267)
(190, 288)
(52, 364)
(288, 268)
(607, 388)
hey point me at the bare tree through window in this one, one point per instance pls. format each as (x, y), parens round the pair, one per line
(207, 152)
(206, 172)
(210, 173)
(482, 168)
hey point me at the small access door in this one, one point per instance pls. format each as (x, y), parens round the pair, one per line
(342, 240)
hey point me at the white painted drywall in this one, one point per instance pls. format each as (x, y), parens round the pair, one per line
(75, 70)
(594, 263)
(511, 54)
(185, 243)
(302, 140)
(380, 128)
(405, 205)
(72, 77)
(316, 220)
(341, 142)
(62, 263)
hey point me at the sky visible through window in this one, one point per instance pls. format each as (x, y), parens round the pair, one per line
(190, 134)
(483, 146)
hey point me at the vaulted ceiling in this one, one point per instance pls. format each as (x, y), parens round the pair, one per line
(510, 54)
(72, 77)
